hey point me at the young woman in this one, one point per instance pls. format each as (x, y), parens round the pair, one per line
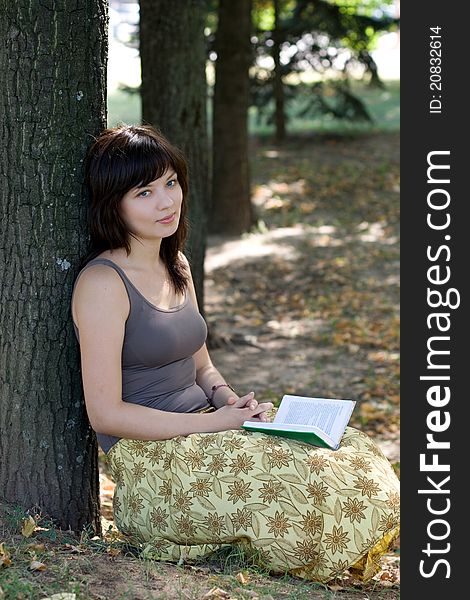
(188, 479)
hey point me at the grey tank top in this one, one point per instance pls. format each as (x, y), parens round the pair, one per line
(158, 368)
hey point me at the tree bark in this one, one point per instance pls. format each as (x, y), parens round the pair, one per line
(280, 118)
(172, 51)
(53, 82)
(231, 202)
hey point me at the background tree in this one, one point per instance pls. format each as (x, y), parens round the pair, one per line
(231, 198)
(278, 85)
(52, 75)
(172, 52)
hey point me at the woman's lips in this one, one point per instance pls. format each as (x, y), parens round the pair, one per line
(168, 219)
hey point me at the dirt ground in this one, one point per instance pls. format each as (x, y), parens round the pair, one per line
(309, 303)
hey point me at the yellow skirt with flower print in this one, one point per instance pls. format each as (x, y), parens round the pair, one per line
(302, 510)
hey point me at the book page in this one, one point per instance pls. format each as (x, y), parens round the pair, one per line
(331, 416)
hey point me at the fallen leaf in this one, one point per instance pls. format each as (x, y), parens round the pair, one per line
(74, 549)
(4, 556)
(384, 575)
(306, 208)
(216, 593)
(113, 551)
(335, 588)
(243, 579)
(36, 547)
(37, 566)
(387, 583)
(29, 526)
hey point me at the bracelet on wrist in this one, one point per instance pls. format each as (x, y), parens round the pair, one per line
(214, 388)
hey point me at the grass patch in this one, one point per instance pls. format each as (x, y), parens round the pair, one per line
(383, 105)
(93, 568)
(124, 107)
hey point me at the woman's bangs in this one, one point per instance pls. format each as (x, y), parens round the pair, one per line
(148, 165)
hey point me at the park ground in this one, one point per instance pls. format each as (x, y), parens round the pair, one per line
(307, 303)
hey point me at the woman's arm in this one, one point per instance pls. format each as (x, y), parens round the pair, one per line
(101, 307)
(207, 377)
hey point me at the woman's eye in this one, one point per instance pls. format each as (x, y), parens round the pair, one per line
(173, 182)
(144, 194)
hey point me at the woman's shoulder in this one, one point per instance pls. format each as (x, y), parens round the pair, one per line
(101, 268)
(97, 275)
(100, 284)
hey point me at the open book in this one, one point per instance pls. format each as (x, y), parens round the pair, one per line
(317, 421)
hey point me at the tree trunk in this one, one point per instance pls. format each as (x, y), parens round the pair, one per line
(280, 118)
(172, 51)
(231, 203)
(52, 77)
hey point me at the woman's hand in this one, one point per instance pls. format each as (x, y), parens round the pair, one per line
(237, 411)
(249, 401)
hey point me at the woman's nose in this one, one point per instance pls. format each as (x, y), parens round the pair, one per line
(164, 200)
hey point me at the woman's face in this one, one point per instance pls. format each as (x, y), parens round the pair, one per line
(153, 211)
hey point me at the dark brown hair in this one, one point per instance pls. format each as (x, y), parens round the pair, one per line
(120, 159)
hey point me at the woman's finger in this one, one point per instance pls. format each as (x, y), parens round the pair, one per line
(263, 417)
(262, 408)
(246, 400)
(260, 417)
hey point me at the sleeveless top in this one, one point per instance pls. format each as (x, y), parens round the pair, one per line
(158, 368)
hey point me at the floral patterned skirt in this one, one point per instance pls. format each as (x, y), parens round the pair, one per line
(298, 509)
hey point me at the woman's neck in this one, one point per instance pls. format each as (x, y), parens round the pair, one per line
(144, 256)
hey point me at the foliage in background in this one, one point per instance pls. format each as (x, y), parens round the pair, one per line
(323, 40)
